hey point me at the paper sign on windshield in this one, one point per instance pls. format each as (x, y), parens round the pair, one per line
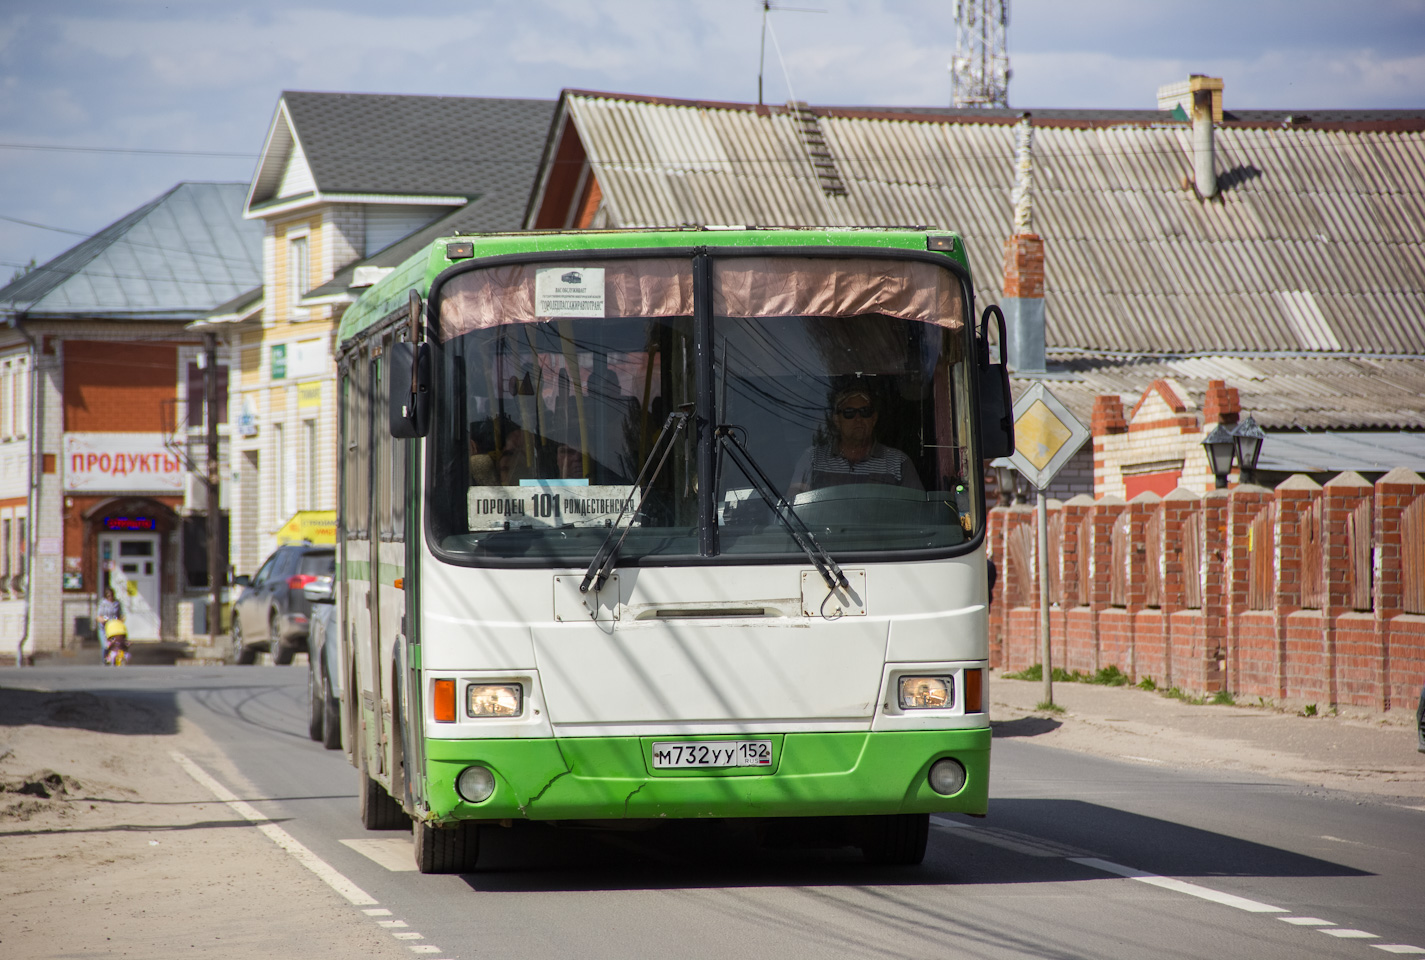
(569, 292)
(534, 505)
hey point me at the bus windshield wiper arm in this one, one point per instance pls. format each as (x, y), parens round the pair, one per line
(603, 563)
(825, 565)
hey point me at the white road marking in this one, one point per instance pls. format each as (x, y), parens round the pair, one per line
(1179, 886)
(390, 924)
(1348, 934)
(1398, 948)
(1142, 759)
(277, 835)
(1307, 921)
(424, 948)
(409, 935)
(1008, 839)
(394, 854)
(377, 912)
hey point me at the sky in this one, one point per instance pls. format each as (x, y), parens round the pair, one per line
(139, 95)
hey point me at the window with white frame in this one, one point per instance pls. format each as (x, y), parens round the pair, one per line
(298, 275)
(309, 465)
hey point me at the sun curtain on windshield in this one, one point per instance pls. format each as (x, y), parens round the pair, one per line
(742, 287)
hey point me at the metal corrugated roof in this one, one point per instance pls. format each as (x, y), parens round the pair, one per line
(1281, 392)
(1317, 242)
(175, 258)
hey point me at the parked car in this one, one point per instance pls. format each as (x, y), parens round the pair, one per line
(323, 664)
(1420, 722)
(271, 612)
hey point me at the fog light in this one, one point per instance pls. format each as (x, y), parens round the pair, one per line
(494, 700)
(947, 777)
(927, 693)
(475, 784)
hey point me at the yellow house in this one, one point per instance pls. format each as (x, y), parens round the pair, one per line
(346, 185)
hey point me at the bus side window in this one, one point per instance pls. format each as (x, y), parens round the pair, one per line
(356, 430)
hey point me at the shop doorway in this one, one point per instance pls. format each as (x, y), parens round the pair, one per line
(129, 562)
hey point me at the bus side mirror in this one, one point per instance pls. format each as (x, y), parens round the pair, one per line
(996, 399)
(410, 408)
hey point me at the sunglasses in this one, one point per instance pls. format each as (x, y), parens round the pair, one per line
(851, 413)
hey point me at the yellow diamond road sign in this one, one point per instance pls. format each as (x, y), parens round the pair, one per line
(1046, 435)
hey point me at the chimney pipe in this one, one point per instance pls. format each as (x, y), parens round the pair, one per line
(1204, 174)
(1023, 302)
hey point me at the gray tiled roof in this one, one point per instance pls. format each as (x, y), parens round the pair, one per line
(174, 258)
(1316, 244)
(412, 145)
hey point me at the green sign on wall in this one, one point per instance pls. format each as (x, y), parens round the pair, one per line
(279, 361)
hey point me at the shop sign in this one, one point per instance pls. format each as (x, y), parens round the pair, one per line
(313, 526)
(129, 523)
(120, 463)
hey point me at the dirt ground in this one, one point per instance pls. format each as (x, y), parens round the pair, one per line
(110, 850)
(1356, 750)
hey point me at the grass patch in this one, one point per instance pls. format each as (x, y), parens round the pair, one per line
(1223, 698)
(1107, 677)
(1178, 693)
(1044, 706)
(1147, 683)
(1309, 710)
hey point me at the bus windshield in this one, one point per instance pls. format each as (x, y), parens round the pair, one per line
(844, 379)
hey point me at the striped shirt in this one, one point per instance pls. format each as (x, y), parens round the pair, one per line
(821, 467)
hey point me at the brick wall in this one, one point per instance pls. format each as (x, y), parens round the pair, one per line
(120, 387)
(1203, 634)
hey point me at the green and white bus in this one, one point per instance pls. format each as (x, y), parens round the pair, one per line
(688, 523)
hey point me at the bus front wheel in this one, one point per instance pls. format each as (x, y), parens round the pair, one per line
(451, 850)
(897, 839)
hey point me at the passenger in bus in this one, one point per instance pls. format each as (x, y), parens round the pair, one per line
(855, 456)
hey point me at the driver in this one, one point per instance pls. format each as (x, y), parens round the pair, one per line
(855, 456)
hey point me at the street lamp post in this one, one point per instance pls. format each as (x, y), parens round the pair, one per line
(1220, 445)
(1247, 438)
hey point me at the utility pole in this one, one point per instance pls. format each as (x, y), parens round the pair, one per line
(215, 564)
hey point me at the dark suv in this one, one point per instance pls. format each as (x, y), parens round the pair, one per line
(272, 613)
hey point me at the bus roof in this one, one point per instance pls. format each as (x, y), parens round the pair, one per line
(419, 272)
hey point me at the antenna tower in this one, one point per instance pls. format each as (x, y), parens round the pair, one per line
(979, 73)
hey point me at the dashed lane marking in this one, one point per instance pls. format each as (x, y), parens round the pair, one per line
(325, 871)
(1347, 934)
(394, 854)
(1307, 921)
(1398, 948)
(1179, 886)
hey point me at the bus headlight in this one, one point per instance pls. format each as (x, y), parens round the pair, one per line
(947, 777)
(494, 700)
(927, 693)
(475, 784)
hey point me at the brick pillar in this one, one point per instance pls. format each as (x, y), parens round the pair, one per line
(995, 550)
(1394, 492)
(1216, 597)
(1182, 627)
(1079, 624)
(1254, 644)
(1305, 666)
(1350, 633)
(1107, 420)
(1141, 510)
(1109, 621)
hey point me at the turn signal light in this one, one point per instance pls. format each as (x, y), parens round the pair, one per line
(443, 700)
(975, 691)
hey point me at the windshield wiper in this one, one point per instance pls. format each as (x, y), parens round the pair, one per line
(825, 565)
(603, 563)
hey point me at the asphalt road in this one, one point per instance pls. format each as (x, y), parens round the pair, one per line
(1079, 857)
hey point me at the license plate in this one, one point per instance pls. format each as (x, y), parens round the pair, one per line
(715, 753)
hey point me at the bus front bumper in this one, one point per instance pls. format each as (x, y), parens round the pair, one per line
(813, 774)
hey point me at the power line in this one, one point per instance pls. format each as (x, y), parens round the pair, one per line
(130, 150)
